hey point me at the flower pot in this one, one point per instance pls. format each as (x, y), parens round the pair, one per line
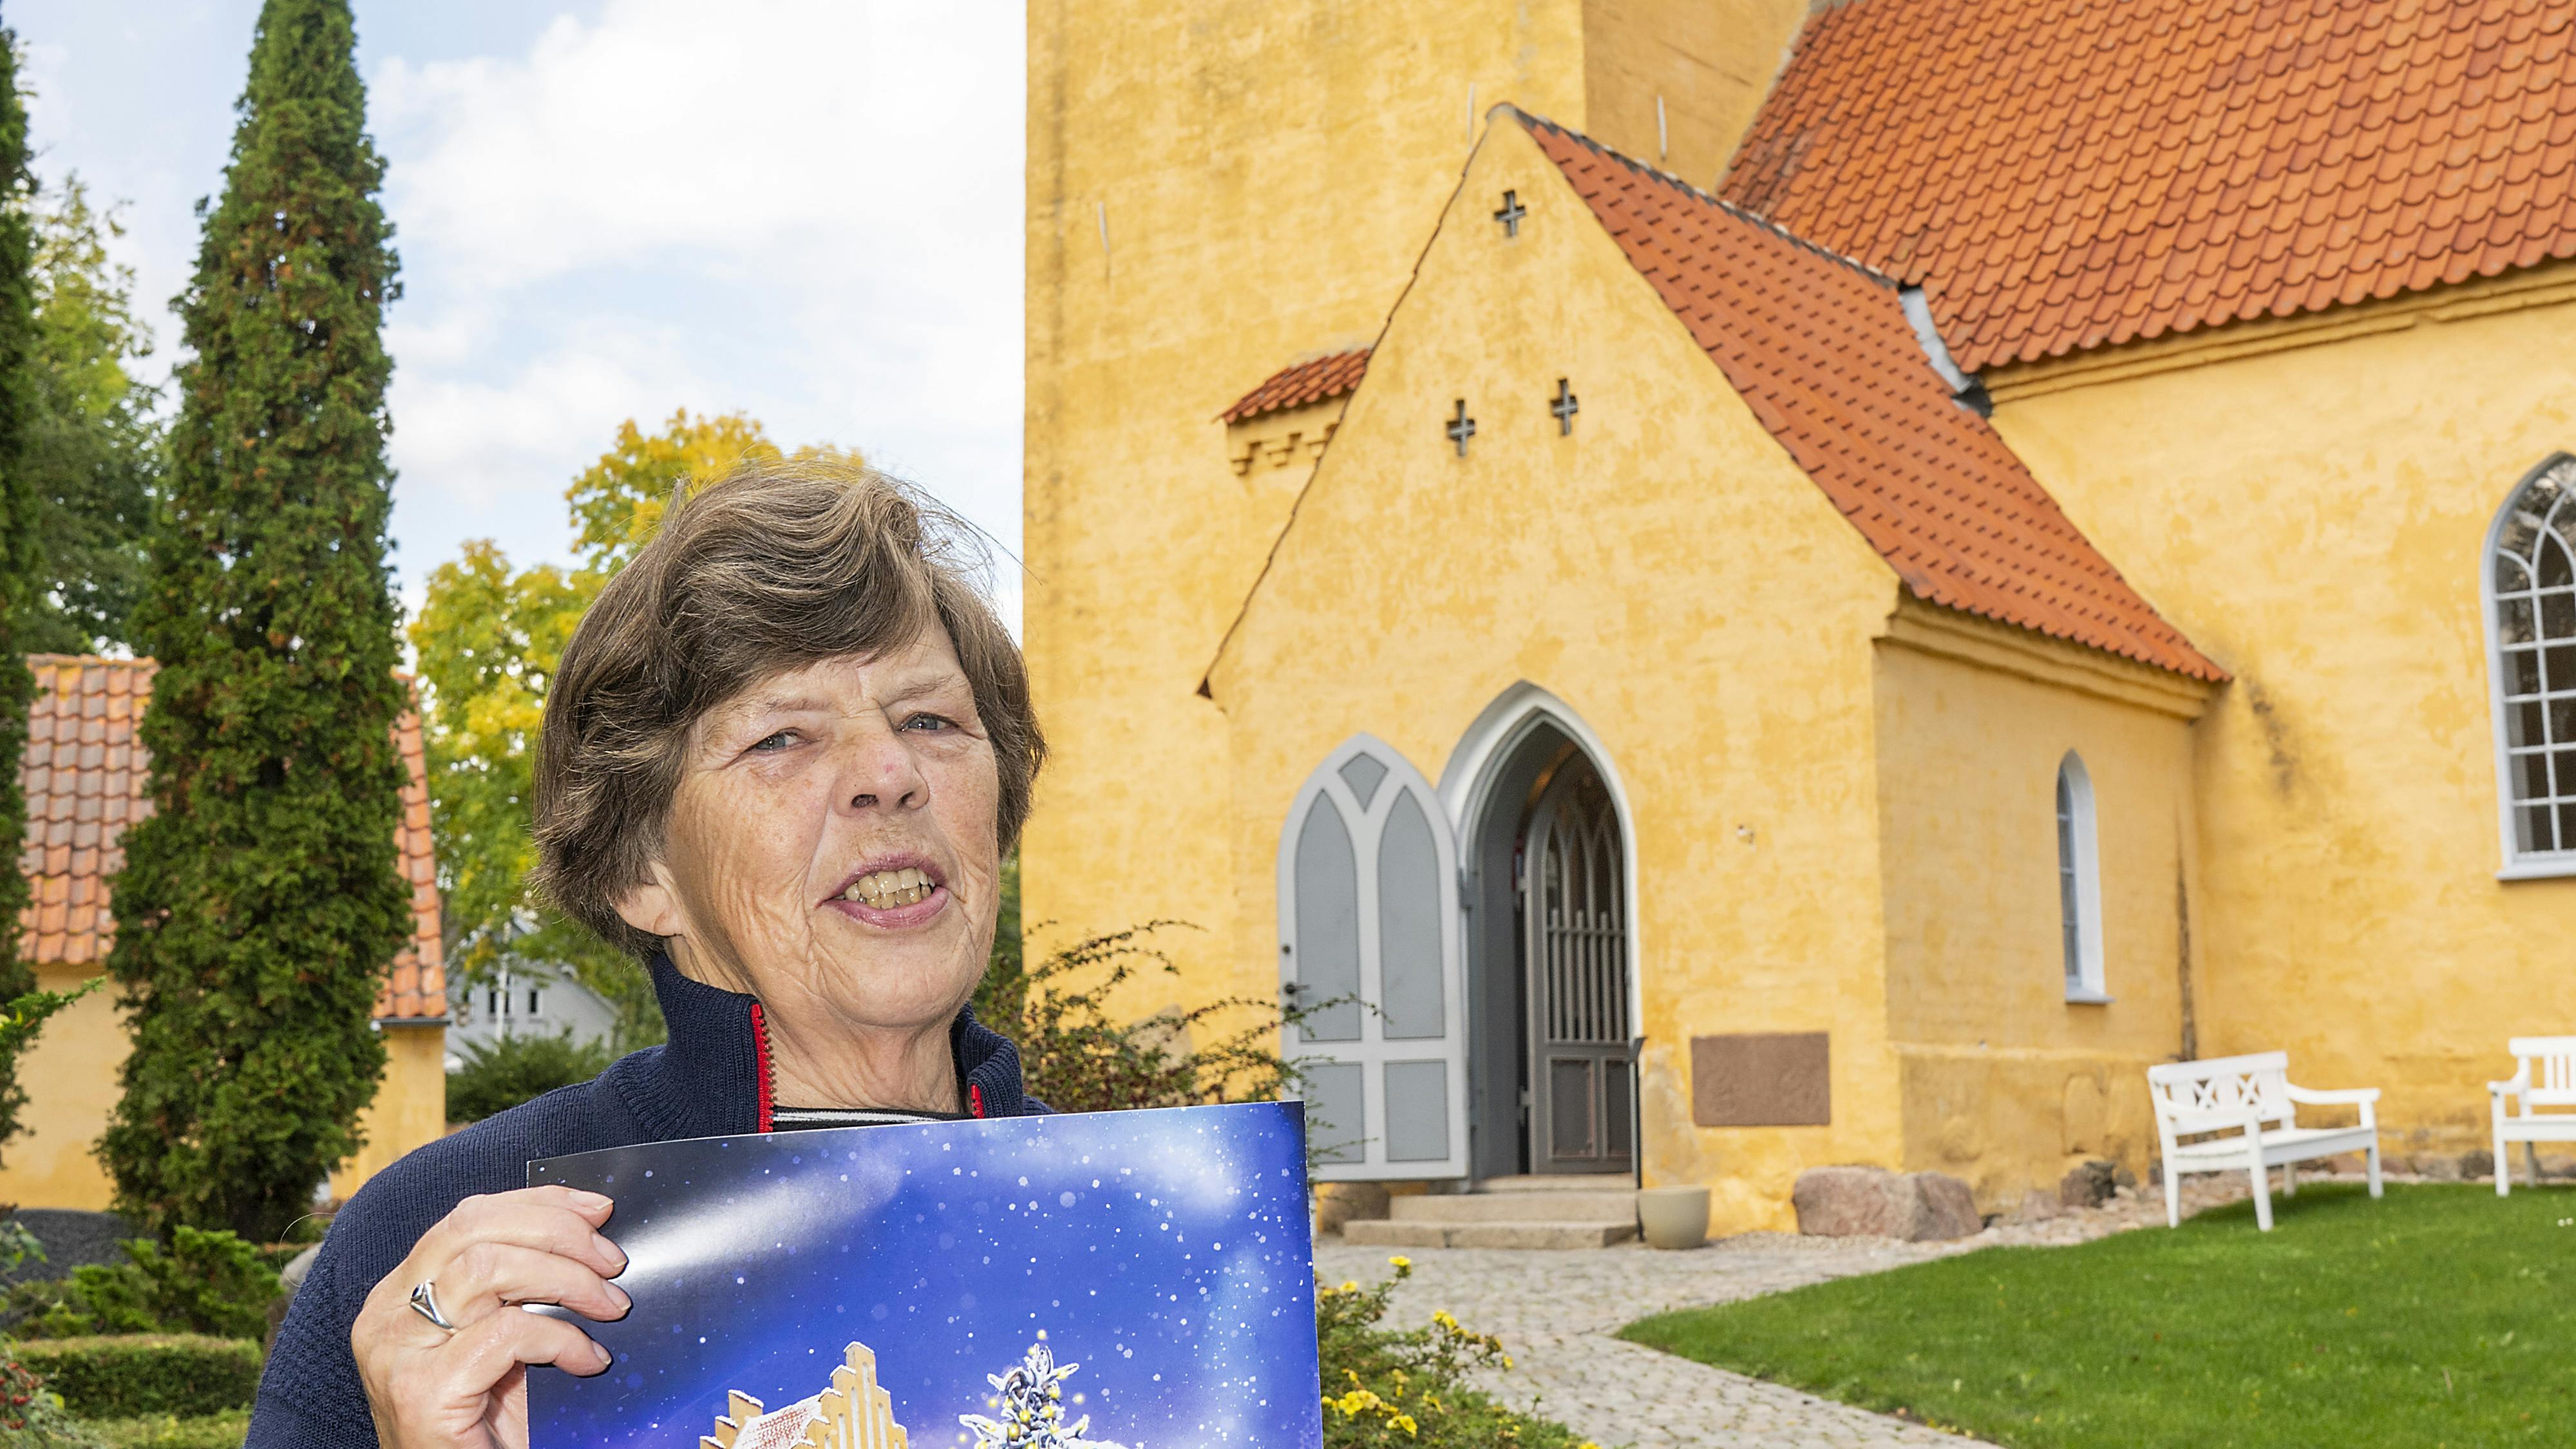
(1673, 1217)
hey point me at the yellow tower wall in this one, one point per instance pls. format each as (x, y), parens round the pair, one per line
(1670, 575)
(2007, 1083)
(1214, 192)
(1711, 63)
(2314, 517)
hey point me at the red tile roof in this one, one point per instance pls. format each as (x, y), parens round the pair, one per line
(87, 778)
(1821, 349)
(1306, 382)
(2065, 174)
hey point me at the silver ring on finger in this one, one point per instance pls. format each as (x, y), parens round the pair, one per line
(424, 1301)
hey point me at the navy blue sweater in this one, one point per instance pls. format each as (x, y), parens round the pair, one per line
(710, 1080)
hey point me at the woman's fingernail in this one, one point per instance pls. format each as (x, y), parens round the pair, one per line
(618, 1296)
(593, 1200)
(610, 1251)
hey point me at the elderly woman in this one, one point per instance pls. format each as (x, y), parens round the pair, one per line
(782, 760)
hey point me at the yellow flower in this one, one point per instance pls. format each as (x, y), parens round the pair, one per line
(1404, 1422)
(1401, 1261)
(1350, 1287)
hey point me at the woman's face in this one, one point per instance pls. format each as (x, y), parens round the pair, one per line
(831, 849)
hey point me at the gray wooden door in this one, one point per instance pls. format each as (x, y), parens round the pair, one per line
(1369, 944)
(1573, 919)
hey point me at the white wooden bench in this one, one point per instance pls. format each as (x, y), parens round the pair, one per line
(2544, 1076)
(2242, 1111)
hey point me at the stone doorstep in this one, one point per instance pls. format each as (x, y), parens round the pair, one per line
(1595, 1206)
(1559, 1182)
(1391, 1233)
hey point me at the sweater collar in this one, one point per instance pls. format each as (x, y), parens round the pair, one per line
(712, 1077)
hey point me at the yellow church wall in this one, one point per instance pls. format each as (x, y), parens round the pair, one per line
(2314, 519)
(70, 1077)
(2006, 1083)
(1670, 575)
(1212, 193)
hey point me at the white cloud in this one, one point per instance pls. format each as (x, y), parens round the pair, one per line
(653, 130)
(807, 211)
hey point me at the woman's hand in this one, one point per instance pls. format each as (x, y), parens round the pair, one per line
(433, 1388)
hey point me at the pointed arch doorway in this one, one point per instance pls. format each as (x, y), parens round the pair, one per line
(1545, 848)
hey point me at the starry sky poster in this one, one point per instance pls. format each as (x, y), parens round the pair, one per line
(1166, 1253)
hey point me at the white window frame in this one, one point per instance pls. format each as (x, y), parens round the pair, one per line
(2519, 864)
(2078, 840)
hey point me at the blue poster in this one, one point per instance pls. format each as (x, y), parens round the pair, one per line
(1142, 1280)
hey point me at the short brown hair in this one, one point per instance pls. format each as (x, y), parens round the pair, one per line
(781, 564)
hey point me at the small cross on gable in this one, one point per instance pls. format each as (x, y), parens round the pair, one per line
(1461, 427)
(1565, 407)
(1511, 213)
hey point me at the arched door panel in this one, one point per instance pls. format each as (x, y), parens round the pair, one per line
(1369, 950)
(1574, 916)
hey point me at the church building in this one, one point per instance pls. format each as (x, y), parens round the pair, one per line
(1715, 588)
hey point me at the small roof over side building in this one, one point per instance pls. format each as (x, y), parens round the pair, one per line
(87, 777)
(2067, 174)
(1821, 350)
(1315, 380)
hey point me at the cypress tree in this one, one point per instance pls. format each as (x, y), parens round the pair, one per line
(20, 565)
(259, 905)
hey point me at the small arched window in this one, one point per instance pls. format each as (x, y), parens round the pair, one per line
(2079, 883)
(2531, 631)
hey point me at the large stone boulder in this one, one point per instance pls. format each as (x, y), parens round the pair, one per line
(1845, 1202)
(1949, 1209)
(2089, 1185)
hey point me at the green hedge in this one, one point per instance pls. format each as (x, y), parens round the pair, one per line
(129, 1375)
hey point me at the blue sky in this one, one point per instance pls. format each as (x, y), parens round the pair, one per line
(1166, 1253)
(808, 210)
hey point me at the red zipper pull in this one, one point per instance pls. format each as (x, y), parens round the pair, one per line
(760, 1046)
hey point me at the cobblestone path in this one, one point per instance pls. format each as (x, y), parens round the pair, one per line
(1556, 1311)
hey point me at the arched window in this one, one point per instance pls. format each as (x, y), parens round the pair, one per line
(2531, 631)
(2079, 883)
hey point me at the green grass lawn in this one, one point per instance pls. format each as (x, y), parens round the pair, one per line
(2438, 1317)
(216, 1431)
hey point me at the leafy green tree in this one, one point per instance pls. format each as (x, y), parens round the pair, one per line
(1002, 996)
(94, 444)
(259, 905)
(21, 557)
(618, 502)
(488, 639)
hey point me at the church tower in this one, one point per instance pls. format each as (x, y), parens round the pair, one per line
(1216, 191)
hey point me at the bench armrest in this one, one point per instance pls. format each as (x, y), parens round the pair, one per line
(2352, 1097)
(2517, 1084)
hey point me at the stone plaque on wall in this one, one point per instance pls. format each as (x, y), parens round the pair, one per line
(1761, 1079)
